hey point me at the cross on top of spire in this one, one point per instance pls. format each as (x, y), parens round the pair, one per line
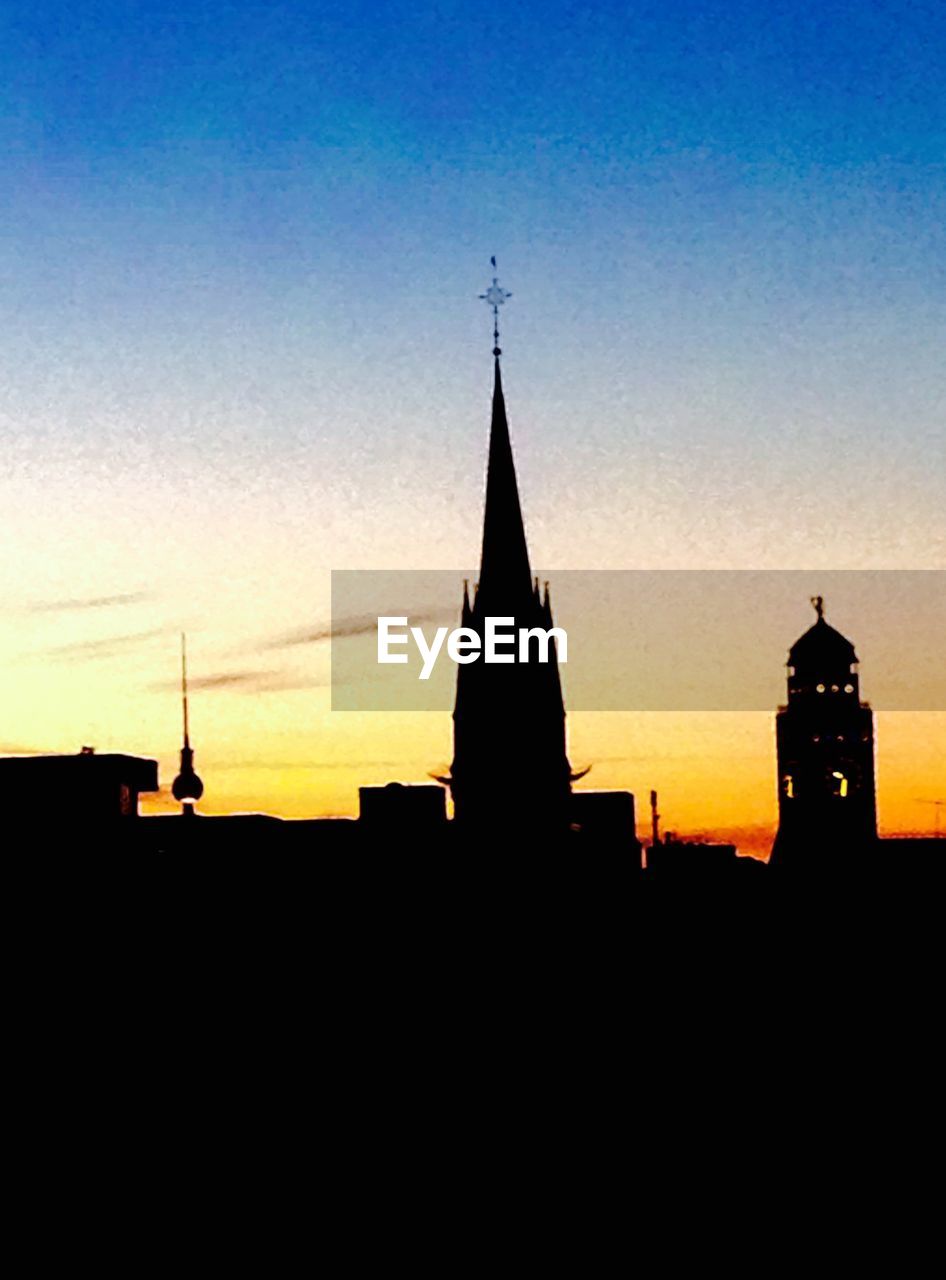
(494, 297)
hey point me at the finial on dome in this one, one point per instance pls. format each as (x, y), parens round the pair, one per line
(818, 603)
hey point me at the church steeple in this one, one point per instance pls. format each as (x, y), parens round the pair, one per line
(510, 768)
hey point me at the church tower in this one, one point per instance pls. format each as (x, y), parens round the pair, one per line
(825, 745)
(510, 769)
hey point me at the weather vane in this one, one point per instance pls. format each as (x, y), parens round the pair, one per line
(494, 297)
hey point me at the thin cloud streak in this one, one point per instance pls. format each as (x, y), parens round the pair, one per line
(90, 602)
(242, 682)
(104, 647)
(346, 628)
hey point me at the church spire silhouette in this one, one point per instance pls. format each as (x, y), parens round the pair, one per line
(510, 769)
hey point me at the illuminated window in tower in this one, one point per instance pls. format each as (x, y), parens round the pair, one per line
(788, 786)
(840, 784)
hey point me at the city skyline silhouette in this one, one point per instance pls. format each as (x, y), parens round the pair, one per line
(512, 783)
(240, 266)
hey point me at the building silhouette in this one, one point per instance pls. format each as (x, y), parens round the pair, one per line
(825, 751)
(397, 806)
(606, 820)
(76, 797)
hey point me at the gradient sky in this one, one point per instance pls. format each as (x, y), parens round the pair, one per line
(240, 248)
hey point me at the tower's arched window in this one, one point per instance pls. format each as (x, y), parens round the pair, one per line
(788, 787)
(840, 784)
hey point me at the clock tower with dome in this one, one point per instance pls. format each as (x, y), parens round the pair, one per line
(825, 745)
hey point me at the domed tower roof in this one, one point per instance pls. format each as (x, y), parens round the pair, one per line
(821, 648)
(819, 645)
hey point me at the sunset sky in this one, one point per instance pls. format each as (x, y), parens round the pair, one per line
(240, 251)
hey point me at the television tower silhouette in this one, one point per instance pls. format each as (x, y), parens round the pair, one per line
(187, 786)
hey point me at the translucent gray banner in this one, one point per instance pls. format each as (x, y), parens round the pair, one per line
(655, 640)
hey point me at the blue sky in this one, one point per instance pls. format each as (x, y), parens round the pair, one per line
(665, 183)
(242, 235)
